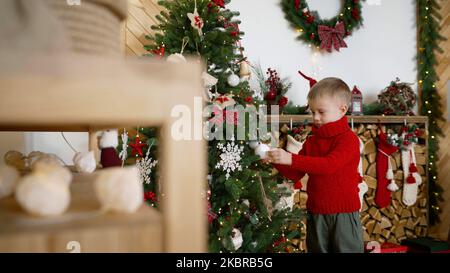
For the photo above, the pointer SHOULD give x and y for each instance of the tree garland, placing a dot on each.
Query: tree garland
(324, 34)
(428, 38)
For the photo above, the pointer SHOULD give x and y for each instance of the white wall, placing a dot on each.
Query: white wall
(381, 50)
(384, 48)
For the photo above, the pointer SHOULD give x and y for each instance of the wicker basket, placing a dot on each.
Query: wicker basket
(93, 27)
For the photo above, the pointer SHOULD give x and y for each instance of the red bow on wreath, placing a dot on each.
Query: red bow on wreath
(330, 36)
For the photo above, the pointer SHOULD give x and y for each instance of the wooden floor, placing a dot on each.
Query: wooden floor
(443, 70)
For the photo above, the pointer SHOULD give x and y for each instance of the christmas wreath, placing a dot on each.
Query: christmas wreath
(326, 34)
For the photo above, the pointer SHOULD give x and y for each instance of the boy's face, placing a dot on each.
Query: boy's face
(327, 109)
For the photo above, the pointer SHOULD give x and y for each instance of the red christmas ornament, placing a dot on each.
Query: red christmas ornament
(312, 36)
(355, 14)
(249, 99)
(150, 196)
(271, 95)
(298, 185)
(417, 132)
(283, 101)
(297, 4)
(309, 18)
(219, 3)
(159, 52)
(137, 146)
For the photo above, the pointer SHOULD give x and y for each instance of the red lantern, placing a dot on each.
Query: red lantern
(357, 104)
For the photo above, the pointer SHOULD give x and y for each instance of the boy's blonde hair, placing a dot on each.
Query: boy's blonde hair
(332, 87)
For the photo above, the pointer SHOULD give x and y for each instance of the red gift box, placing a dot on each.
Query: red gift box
(375, 247)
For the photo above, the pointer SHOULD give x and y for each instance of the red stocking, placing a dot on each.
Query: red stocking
(383, 194)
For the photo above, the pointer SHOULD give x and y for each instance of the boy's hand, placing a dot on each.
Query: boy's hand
(279, 156)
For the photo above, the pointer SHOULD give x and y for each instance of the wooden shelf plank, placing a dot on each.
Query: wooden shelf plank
(356, 119)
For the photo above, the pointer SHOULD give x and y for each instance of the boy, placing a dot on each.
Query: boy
(330, 157)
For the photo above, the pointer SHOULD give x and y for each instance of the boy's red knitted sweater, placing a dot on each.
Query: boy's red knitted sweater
(330, 157)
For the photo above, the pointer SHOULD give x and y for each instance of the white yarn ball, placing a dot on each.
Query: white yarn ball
(42, 195)
(262, 150)
(53, 169)
(85, 162)
(233, 80)
(8, 180)
(176, 58)
(119, 189)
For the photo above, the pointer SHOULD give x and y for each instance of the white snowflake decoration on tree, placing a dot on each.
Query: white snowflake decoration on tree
(230, 158)
(145, 166)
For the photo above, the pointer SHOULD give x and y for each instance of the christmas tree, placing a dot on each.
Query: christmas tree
(246, 208)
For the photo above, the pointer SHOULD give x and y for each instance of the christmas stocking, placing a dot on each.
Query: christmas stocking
(412, 179)
(362, 184)
(385, 176)
(293, 146)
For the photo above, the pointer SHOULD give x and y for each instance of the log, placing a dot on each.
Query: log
(371, 182)
(421, 159)
(297, 197)
(410, 224)
(405, 214)
(377, 229)
(421, 170)
(365, 164)
(365, 218)
(394, 165)
(370, 147)
(372, 157)
(420, 149)
(366, 236)
(375, 213)
(372, 170)
(398, 195)
(370, 226)
(399, 231)
(385, 223)
(361, 129)
(398, 175)
(373, 133)
(385, 233)
(370, 201)
(395, 204)
(397, 158)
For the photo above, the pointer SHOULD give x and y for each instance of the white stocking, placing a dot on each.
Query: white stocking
(363, 185)
(409, 190)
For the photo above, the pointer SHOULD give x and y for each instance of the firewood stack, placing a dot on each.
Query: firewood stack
(397, 221)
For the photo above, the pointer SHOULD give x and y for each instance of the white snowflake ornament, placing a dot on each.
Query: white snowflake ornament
(230, 158)
(145, 166)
